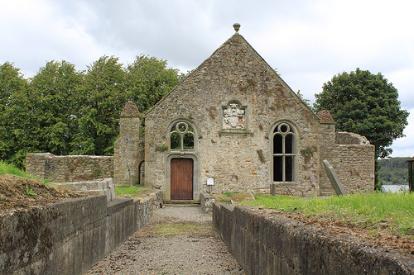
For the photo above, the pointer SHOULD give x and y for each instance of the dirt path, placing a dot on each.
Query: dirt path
(179, 240)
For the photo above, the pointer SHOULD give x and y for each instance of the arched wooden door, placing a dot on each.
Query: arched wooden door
(182, 179)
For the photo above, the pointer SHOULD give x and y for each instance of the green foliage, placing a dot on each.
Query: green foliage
(368, 211)
(366, 104)
(13, 100)
(161, 147)
(64, 111)
(149, 80)
(10, 169)
(29, 191)
(393, 171)
(104, 96)
(55, 94)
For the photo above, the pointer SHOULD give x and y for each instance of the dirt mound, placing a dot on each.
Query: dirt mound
(17, 193)
(403, 244)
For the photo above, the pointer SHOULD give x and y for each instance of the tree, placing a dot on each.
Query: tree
(149, 80)
(367, 104)
(104, 94)
(55, 94)
(13, 99)
(63, 111)
(11, 80)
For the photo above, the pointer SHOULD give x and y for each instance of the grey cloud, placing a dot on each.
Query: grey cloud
(307, 41)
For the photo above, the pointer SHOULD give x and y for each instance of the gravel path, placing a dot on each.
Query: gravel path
(179, 240)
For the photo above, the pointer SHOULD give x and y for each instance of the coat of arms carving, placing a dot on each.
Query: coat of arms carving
(234, 116)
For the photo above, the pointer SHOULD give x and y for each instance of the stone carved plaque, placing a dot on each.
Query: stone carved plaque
(234, 116)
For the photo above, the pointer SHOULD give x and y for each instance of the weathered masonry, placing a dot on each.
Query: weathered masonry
(234, 125)
(69, 236)
(268, 243)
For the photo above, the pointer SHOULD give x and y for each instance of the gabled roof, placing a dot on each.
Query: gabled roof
(234, 37)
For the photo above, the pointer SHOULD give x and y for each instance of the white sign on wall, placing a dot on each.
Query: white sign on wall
(210, 181)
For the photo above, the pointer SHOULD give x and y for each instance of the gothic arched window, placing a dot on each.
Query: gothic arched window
(181, 136)
(284, 153)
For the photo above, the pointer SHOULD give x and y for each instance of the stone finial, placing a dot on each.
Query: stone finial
(130, 110)
(325, 117)
(236, 27)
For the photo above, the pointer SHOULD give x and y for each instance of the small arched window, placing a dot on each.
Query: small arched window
(284, 153)
(181, 136)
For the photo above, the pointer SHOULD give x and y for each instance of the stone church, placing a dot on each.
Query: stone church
(233, 124)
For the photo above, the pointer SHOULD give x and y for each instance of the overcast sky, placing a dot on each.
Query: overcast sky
(306, 41)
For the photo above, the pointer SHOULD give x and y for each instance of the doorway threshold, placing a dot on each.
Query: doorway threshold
(187, 202)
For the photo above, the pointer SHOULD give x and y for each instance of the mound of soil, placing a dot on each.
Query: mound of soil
(18, 193)
(383, 239)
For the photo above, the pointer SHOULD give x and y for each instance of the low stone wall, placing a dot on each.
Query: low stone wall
(277, 245)
(69, 168)
(206, 202)
(92, 187)
(70, 236)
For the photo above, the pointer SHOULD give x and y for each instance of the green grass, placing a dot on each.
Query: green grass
(9, 169)
(372, 211)
(129, 190)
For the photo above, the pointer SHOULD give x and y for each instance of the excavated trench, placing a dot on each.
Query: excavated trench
(178, 240)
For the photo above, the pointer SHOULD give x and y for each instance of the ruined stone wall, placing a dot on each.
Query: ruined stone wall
(273, 244)
(355, 166)
(350, 138)
(69, 168)
(69, 237)
(237, 160)
(352, 157)
(127, 155)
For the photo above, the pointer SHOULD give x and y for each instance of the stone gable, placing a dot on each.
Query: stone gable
(234, 58)
(237, 160)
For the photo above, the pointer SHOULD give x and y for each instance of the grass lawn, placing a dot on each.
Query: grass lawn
(10, 169)
(129, 190)
(394, 212)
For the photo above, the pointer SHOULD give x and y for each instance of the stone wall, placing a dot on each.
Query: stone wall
(206, 202)
(69, 168)
(69, 237)
(264, 244)
(352, 157)
(350, 138)
(92, 187)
